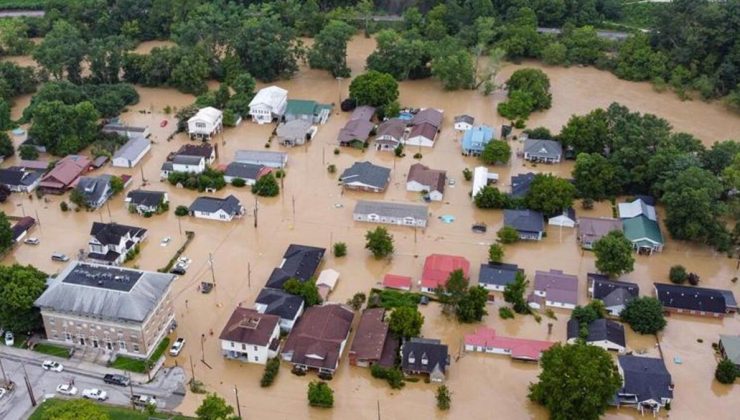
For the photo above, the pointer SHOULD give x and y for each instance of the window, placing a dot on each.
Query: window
(255, 348)
(200, 125)
(122, 345)
(244, 346)
(136, 348)
(256, 359)
(232, 344)
(67, 336)
(51, 321)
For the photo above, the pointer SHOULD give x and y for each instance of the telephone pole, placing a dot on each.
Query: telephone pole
(213, 274)
(131, 391)
(238, 407)
(249, 275)
(255, 212)
(28, 385)
(2, 368)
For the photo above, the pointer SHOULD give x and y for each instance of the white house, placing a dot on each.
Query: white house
(481, 178)
(604, 333)
(143, 201)
(110, 242)
(212, 208)
(566, 219)
(268, 104)
(464, 122)
(131, 153)
(205, 123)
(250, 336)
(282, 304)
(262, 157)
(180, 163)
(423, 179)
(391, 213)
(554, 289)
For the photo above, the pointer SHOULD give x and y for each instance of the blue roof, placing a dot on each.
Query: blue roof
(477, 137)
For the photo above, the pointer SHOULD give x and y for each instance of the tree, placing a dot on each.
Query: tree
(62, 50)
(214, 407)
(514, 293)
(266, 186)
(495, 253)
(190, 73)
(586, 133)
(267, 48)
(585, 315)
(20, 286)
(78, 199)
(471, 307)
(614, 254)
(518, 106)
(181, 211)
(644, 314)
(329, 51)
(549, 194)
(507, 235)
(593, 380)
(595, 177)
(555, 54)
(444, 397)
(357, 301)
(305, 289)
(340, 249)
(406, 322)
(678, 274)
(320, 395)
(496, 152)
(489, 197)
(272, 367)
(399, 56)
(6, 145)
(76, 409)
(379, 242)
(14, 37)
(453, 65)
(64, 129)
(116, 184)
(28, 152)
(533, 82)
(726, 372)
(5, 120)
(374, 89)
(582, 44)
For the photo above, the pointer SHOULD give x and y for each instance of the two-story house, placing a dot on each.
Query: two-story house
(250, 336)
(110, 243)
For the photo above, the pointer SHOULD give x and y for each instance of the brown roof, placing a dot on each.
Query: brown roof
(593, 228)
(319, 333)
(393, 128)
(432, 178)
(203, 149)
(65, 172)
(370, 336)
(425, 130)
(363, 113)
(430, 116)
(355, 130)
(250, 327)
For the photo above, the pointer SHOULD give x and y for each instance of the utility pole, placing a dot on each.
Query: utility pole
(255, 212)
(131, 391)
(192, 370)
(179, 225)
(202, 348)
(249, 275)
(107, 205)
(143, 180)
(28, 385)
(213, 274)
(2, 368)
(293, 198)
(238, 407)
(38, 219)
(378, 409)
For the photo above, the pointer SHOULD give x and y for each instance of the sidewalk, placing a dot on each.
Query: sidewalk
(79, 367)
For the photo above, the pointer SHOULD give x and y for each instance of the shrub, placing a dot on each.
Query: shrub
(678, 274)
(320, 395)
(271, 370)
(726, 372)
(418, 155)
(357, 301)
(340, 249)
(336, 151)
(505, 313)
(266, 186)
(507, 235)
(693, 279)
(64, 206)
(645, 315)
(394, 376)
(495, 253)
(331, 168)
(398, 151)
(550, 314)
(444, 397)
(467, 174)
(238, 182)
(181, 211)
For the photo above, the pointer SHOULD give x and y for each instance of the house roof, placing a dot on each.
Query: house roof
(261, 156)
(464, 119)
(243, 170)
(394, 128)
(438, 267)
(599, 330)
(93, 188)
(645, 377)
(543, 148)
(428, 116)
(357, 129)
(294, 128)
(425, 130)
(396, 281)
(204, 150)
(392, 209)
(520, 184)
(498, 274)
(329, 278)
(592, 229)
(432, 350)
(729, 299)
(299, 262)
(249, 327)
(366, 173)
(17, 176)
(317, 337)
(301, 107)
(558, 287)
(21, 226)
(477, 137)
(66, 171)
(371, 334)
(636, 208)
(126, 130)
(229, 204)
(188, 160)
(691, 298)
(520, 348)
(112, 233)
(363, 113)
(145, 198)
(101, 291)
(133, 148)
(568, 214)
(731, 346)
(208, 113)
(612, 292)
(524, 220)
(271, 96)
(33, 164)
(640, 229)
(279, 302)
(434, 179)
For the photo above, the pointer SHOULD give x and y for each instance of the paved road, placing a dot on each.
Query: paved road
(167, 386)
(19, 13)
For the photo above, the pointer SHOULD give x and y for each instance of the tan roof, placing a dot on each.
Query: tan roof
(430, 116)
(593, 228)
(250, 327)
(432, 178)
(371, 335)
(317, 337)
(425, 130)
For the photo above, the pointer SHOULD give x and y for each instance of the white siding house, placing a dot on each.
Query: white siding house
(207, 122)
(268, 104)
(390, 213)
(250, 336)
(131, 153)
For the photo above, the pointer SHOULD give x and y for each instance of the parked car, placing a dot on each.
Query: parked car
(58, 256)
(143, 400)
(32, 241)
(67, 389)
(206, 287)
(51, 365)
(165, 241)
(9, 338)
(115, 379)
(95, 394)
(3, 391)
(177, 347)
(178, 270)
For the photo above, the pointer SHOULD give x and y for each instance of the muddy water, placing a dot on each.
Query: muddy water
(483, 386)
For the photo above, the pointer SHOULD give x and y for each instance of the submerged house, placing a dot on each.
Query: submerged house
(485, 340)
(390, 134)
(692, 300)
(213, 208)
(206, 123)
(65, 174)
(282, 304)
(250, 336)
(423, 179)
(299, 262)
(365, 176)
(604, 333)
(529, 223)
(615, 294)
(373, 344)
(268, 104)
(476, 139)
(424, 127)
(647, 384)
(437, 270)
(544, 151)
(295, 132)
(307, 110)
(641, 227)
(19, 179)
(425, 356)
(142, 201)
(131, 153)
(110, 243)
(554, 289)
(357, 130)
(96, 190)
(496, 276)
(591, 229)
(391, 213)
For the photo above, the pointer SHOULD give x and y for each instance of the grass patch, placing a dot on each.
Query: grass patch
(141, 365)
(115, 413)
(390, 299)
(19, 340)
(52, 350)
(22, 4)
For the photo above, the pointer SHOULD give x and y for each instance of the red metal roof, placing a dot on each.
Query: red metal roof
(520, 348)
(438, 267)
(395, 281)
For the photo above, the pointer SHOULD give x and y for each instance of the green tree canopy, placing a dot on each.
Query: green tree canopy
(453, 65)
(6, 145)
(267, 49)
(214, 407)
(266, 186)
(320, 395)
(595, 177)
(329, 51)
(496, 152)
(374, 89)
(495, 253)
(534, 82)
(399, 56)
(406, 321)
(726, 372)
(644, 314)
(305, 289)
(549, 194)
(20, 286)
(507, 235)
(514, 293)
(76, 409)
(586, 368)
(62, 50)
(379, 242)
(64, 129)
(586, 133)
(489, 197)
(614, 255)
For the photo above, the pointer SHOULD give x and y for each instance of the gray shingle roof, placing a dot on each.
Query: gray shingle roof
(612, 292)
(260, 157)
(93, 187)
(243, 170)
(646, 377)
(299, 261)
(524, 220)
(391, 209)
(187, 160)
(367, 173)
(497, 274)
(111, 233)
(433, 350)
(108, 292)
(145, 198)
(230, 205)
(543, 148)
(279, 303)
(520, 184)
(691, 298)
(132, 149)
(601, 329)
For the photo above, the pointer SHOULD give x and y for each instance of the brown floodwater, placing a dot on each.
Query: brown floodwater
(483, 386)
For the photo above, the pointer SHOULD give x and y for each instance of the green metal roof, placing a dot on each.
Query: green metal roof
(731, 344)
(638, 229)
(301, 107)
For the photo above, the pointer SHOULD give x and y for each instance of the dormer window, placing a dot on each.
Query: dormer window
(412, 359)
(424, 359)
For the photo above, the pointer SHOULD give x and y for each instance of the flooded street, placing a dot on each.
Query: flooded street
(307, 212)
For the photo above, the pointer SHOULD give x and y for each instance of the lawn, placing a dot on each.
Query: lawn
(21, 4)
(115, 413)
(140, 365)
(52, 349)
(390, 299)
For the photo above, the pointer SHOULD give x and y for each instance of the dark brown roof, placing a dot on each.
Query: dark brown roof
(433, 178)
(250, 327)
(203, 149)
(370, 336)
(393, 128)
(430, 116)
(425, 129)
(319, 333)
